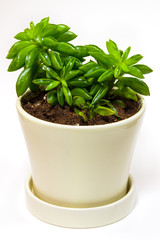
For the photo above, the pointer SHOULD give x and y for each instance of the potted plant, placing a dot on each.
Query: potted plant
(80, 120)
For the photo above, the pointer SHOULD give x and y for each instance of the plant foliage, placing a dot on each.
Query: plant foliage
(51, 63)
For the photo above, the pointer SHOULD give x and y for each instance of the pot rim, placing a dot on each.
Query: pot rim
(127, 121)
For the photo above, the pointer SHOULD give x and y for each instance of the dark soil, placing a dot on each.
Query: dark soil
(38, 107)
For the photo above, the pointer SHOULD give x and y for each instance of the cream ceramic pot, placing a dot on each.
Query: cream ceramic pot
(80, 166)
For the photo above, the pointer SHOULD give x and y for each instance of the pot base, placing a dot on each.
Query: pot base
(80, 217)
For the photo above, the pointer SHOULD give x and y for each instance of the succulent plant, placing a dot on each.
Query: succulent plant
(50, 63)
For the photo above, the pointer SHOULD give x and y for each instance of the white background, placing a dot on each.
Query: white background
(129, 23)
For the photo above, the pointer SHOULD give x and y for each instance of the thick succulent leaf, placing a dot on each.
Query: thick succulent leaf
(136, 84)
(45, 58)
(88, 66)
(71, 74)
(31, 57)
(68, 95)
(107, 75)
(95, 88)
(17, 47)
(56, 60)
(60, 96)
(52, 98)
(126, 93)
(104, 111)
(82, 92)
(78, 101)
(70, 65)
(82, 52)
(95, 72)
(113, 49)
(51, 72)
(41, 26)
(66, 48)
(22, 36)
(93, 48)
(42, 81)
(135, 72)
(108, 60)
(52, 85)
(23, 81)
(117, 71)
(100, 94)
(143, 68)
(50, 42)
(134, 59)
(81, 82)
(126, 53)
(124, 67)
(66, 37)
(49, 30)
(61, 28)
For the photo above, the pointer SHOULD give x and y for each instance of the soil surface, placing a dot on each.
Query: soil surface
(38, 107)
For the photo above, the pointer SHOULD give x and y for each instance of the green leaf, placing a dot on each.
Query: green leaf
(82, 52)
(40, 26)
(126, 93)
(88, 66)
(38, 40)
(81, 114)
(120, 103)
(51, 72)
(50, 42)
(79, 82)
(66, 37)
(124, 67)
(13, 65)
(71, 74)
(68, 95)
(126, 53)
(78, 101)
(32, 26)
(107, 75)
(42, 81)
(45, 20)
(143, 68)
(45, 59)
(82, 92)
(52, 85)
(113, 49)
(60, 96)
(93, 48)
(136, 84)
(29, 33)
(100, 94)
(135, 72)
(95, 72)
(31, 57)
(19, 60)
(22, 55)
(49, 30)
(17, 47)
(52, 97)
(23, 81)
(134, 59)
(56, 60)
(66, 48)
(22, 36)
(117, 71)
(70, 65)
(108, 60)
(104, 111)
(95, 88)
(61, 28)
